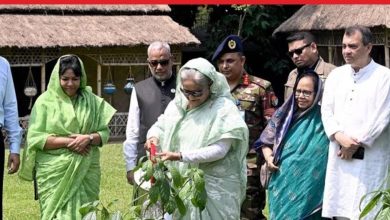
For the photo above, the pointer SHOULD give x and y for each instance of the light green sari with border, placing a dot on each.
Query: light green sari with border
(179, 129)
(66, 180)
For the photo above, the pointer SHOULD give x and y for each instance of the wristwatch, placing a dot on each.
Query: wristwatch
(90, 138)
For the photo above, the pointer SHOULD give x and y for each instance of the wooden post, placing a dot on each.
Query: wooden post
(43, 78)
(177, 68)
(330, 54)
(387, 59)
(387, 47)
(99, 80)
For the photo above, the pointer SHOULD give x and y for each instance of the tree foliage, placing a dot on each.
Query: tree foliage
(254, 23)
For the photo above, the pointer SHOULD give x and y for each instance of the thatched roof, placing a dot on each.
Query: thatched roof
(29, 31)
(336, 17)
(74, 9)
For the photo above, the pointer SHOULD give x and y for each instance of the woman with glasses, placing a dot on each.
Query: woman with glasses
(294, 145)
(202, 127)
(68, 124)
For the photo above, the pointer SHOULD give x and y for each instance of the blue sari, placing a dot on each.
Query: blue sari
(300, 148)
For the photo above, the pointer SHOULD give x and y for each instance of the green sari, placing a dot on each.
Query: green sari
(66, 180)
(296, 190)
(217, 118)
(300, 149)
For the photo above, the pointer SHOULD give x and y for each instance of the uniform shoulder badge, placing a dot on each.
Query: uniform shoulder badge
(261, 82)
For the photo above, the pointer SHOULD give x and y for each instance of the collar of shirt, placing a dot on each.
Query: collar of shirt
(163, 83)
(362, 72)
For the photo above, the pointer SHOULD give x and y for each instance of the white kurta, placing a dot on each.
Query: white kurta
(358, 104)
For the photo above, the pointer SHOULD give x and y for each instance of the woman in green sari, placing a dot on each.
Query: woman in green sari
(203, 128)
(295, 148)
(67, 125)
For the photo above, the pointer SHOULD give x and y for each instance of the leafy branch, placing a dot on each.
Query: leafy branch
(379, 198)
(170, 191)
(171, 188)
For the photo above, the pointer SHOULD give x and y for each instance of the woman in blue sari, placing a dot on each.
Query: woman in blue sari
(294, 146)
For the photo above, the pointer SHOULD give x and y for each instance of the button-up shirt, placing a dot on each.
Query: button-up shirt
(9, 107)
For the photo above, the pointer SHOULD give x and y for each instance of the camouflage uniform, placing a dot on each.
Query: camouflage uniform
(256, 101)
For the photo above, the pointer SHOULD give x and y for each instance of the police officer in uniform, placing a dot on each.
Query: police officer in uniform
(256, 101)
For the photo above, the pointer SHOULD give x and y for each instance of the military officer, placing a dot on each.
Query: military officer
(256, 101)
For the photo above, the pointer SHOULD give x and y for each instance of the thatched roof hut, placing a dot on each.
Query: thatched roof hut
(49, 26)
(50, 31)
(105, 8)
(110, 39)
(329, 21)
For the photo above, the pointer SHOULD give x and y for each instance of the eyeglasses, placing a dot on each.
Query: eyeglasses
(188, 93)
(154, 63)
(297, 51)
(305, 93)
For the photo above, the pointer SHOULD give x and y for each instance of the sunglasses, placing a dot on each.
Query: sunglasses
(188, 93)
(305, 93)
(297, 51)
(154, 63)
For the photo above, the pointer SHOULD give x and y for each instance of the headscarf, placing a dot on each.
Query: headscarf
(282, 119)
(217, 118)
(54, 114)
(219, 88)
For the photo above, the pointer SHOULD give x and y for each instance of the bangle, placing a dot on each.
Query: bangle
(90, 136)
(180, 156)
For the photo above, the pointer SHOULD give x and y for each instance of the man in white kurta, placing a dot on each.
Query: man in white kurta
(355, 112)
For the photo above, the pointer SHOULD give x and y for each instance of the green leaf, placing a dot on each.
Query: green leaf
(86, 208)
(189, 172)
(165, 191)
(170, 206)
(89, 207)
(199, 199)
(147, 167)
(142, 160)
(159, 175)
(386, 198)
(90, 216)
(112, 203)
(176, 177)
(370, 205)
(186, 190)
(199, 181)
(154, 193)
(96, 203)
(135, 211)
(180, 205)
(105, 215)
(139, 164)
(384, 214)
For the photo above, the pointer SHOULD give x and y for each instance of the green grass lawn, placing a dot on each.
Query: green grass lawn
(18, 195)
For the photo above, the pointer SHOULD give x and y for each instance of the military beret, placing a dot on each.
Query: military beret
(230, 44)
